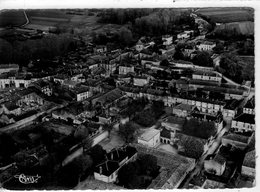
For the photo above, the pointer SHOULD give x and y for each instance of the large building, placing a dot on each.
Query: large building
(243, 123)
(150, 138)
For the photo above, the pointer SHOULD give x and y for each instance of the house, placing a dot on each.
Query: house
(185, 35)
(82, 93)
(107, 171)
(231, 108)
(182, 110)
(249, 164)
(30, 96)
(166, 136)
(60, 78)
(217, 118)
(208, 76)
(4, 68)
(206, 46)
(7, 119)
(109, 98)
(243, 123)
(181, 64)
(70, 84)
(141, 81)
(167, 40)
(249, 107)
(215, 165)
(125, 69)
(150, 138)
(10, 108)
(188, 50)
(100, 49)
(236, 140)
(44, 86)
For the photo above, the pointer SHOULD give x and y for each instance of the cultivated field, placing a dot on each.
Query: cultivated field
(12, 18)
(227, 15)
(244, 28)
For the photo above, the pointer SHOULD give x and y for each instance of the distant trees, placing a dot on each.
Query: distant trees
(21, 52)
(235, 68)
(203, 59)
(81, 132)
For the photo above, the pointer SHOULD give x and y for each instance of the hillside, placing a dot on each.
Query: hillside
(243, 28)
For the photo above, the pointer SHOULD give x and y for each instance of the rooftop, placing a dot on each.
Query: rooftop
(236, 137)
(183, 107)
(246, 118)
(148, 135)
(250, 103)
(165, 133)
(232, 104)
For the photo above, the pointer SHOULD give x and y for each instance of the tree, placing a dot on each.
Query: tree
(178, 55)
(165, 63)
(125, 36)
(219, 48)
(131, 170)
(148, 164)
(81, 132)
(82, 163)
(203, 59)
(127, 131)
(8, 146)
(97, 153)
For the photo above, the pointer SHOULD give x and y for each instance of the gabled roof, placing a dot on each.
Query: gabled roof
(250, 103)
(246, 118)
(232, 104)
(236, 137)
(165, 133)
(184, 107)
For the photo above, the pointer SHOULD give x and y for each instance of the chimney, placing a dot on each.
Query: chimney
(100, 170)
(107, 166)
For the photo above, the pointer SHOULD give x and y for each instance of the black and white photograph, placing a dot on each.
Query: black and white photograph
(121, 97)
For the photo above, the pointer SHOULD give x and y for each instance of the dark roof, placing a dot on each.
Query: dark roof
(11, 106)
(250, 103)
(118, 154)
(107, 168)
(165, 133)
(246, 118)
(232, 104)
(202, 116)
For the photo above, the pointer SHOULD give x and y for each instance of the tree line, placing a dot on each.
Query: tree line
(21, 52)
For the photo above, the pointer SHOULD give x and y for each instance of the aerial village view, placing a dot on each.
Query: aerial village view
(148, 98)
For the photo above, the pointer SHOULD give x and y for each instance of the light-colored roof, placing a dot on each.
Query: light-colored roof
(148, 135)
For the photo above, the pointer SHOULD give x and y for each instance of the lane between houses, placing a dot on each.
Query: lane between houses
(212, 148)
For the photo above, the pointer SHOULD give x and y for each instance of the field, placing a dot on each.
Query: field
(228, 15)
(12, 18)
(244, 27)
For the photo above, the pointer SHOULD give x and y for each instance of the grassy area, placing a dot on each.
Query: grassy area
(12, 18)
(228, 14)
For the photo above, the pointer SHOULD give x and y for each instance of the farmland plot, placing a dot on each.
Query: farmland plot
(227, 15)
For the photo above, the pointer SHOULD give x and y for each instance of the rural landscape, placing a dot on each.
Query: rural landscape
(147, 98)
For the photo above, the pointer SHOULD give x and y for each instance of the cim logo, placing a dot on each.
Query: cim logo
(27, 179)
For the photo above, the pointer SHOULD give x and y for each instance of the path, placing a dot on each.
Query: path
(27, 20)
